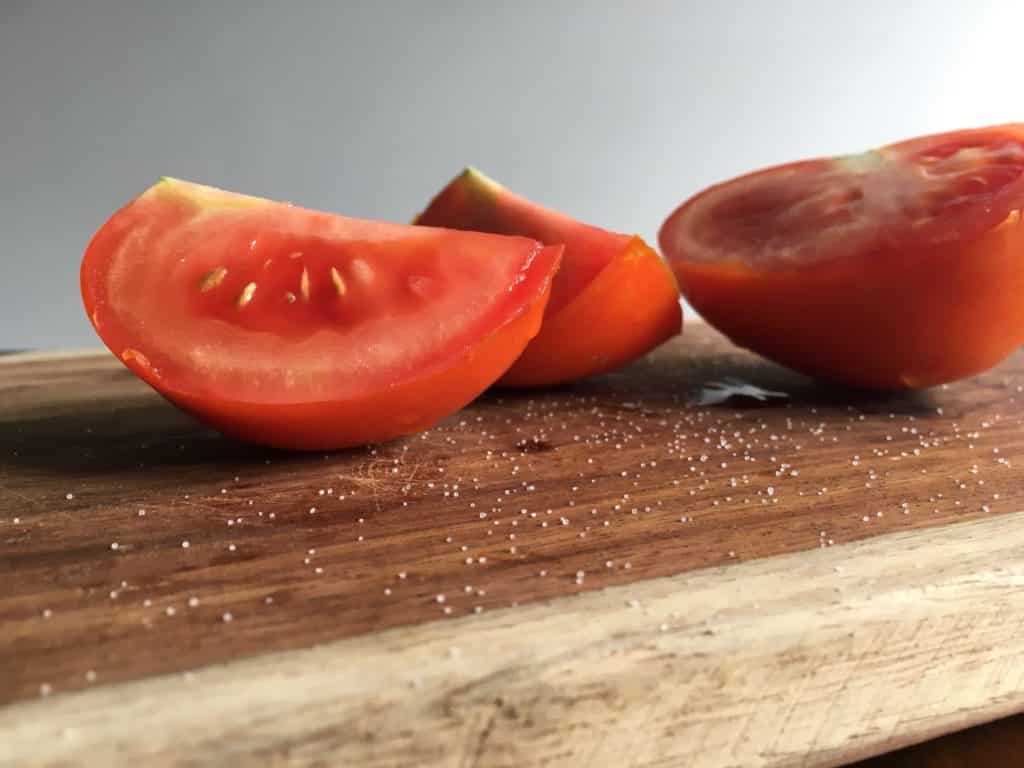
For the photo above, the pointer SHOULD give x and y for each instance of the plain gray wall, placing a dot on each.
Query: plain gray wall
(611, 111)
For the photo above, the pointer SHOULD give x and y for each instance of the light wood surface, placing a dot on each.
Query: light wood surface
(618, 462)
(803, 659)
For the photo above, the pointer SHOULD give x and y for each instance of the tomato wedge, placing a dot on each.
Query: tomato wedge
(298, 329)
(898, 268)
(613, 300)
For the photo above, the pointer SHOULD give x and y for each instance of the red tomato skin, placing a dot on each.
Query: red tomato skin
(890, 321)
(637, 300)
(904, 312)
(403, 407)
(614, 298)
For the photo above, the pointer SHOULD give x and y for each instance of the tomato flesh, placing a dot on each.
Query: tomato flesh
(892, 269)
(218, 299)
(594, 322)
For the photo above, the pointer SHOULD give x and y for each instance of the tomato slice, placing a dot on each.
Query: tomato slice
(613, 300)
(301, 329)
(896, 268)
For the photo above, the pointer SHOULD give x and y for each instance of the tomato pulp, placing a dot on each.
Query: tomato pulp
(898, 268)
(299, 329)
(613, 299)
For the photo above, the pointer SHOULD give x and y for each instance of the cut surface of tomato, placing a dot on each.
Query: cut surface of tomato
(594, 322)
(300, 329)
(900, 267)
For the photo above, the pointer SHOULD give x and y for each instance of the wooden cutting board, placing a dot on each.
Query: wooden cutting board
(623, 572)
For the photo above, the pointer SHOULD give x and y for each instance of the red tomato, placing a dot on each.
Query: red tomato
(897, 268)
(299, 329)
(613, 300)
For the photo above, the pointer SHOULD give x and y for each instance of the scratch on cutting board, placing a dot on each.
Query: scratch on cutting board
(485, 733)
(383, 482)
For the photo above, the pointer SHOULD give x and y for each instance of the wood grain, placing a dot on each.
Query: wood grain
(86, 427)
(782, 661)
(606, 471)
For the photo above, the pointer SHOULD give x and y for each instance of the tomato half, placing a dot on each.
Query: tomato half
(613, 300)
(901, 267)
(299, 329)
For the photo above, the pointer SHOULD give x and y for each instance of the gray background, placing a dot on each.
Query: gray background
(612, 111)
